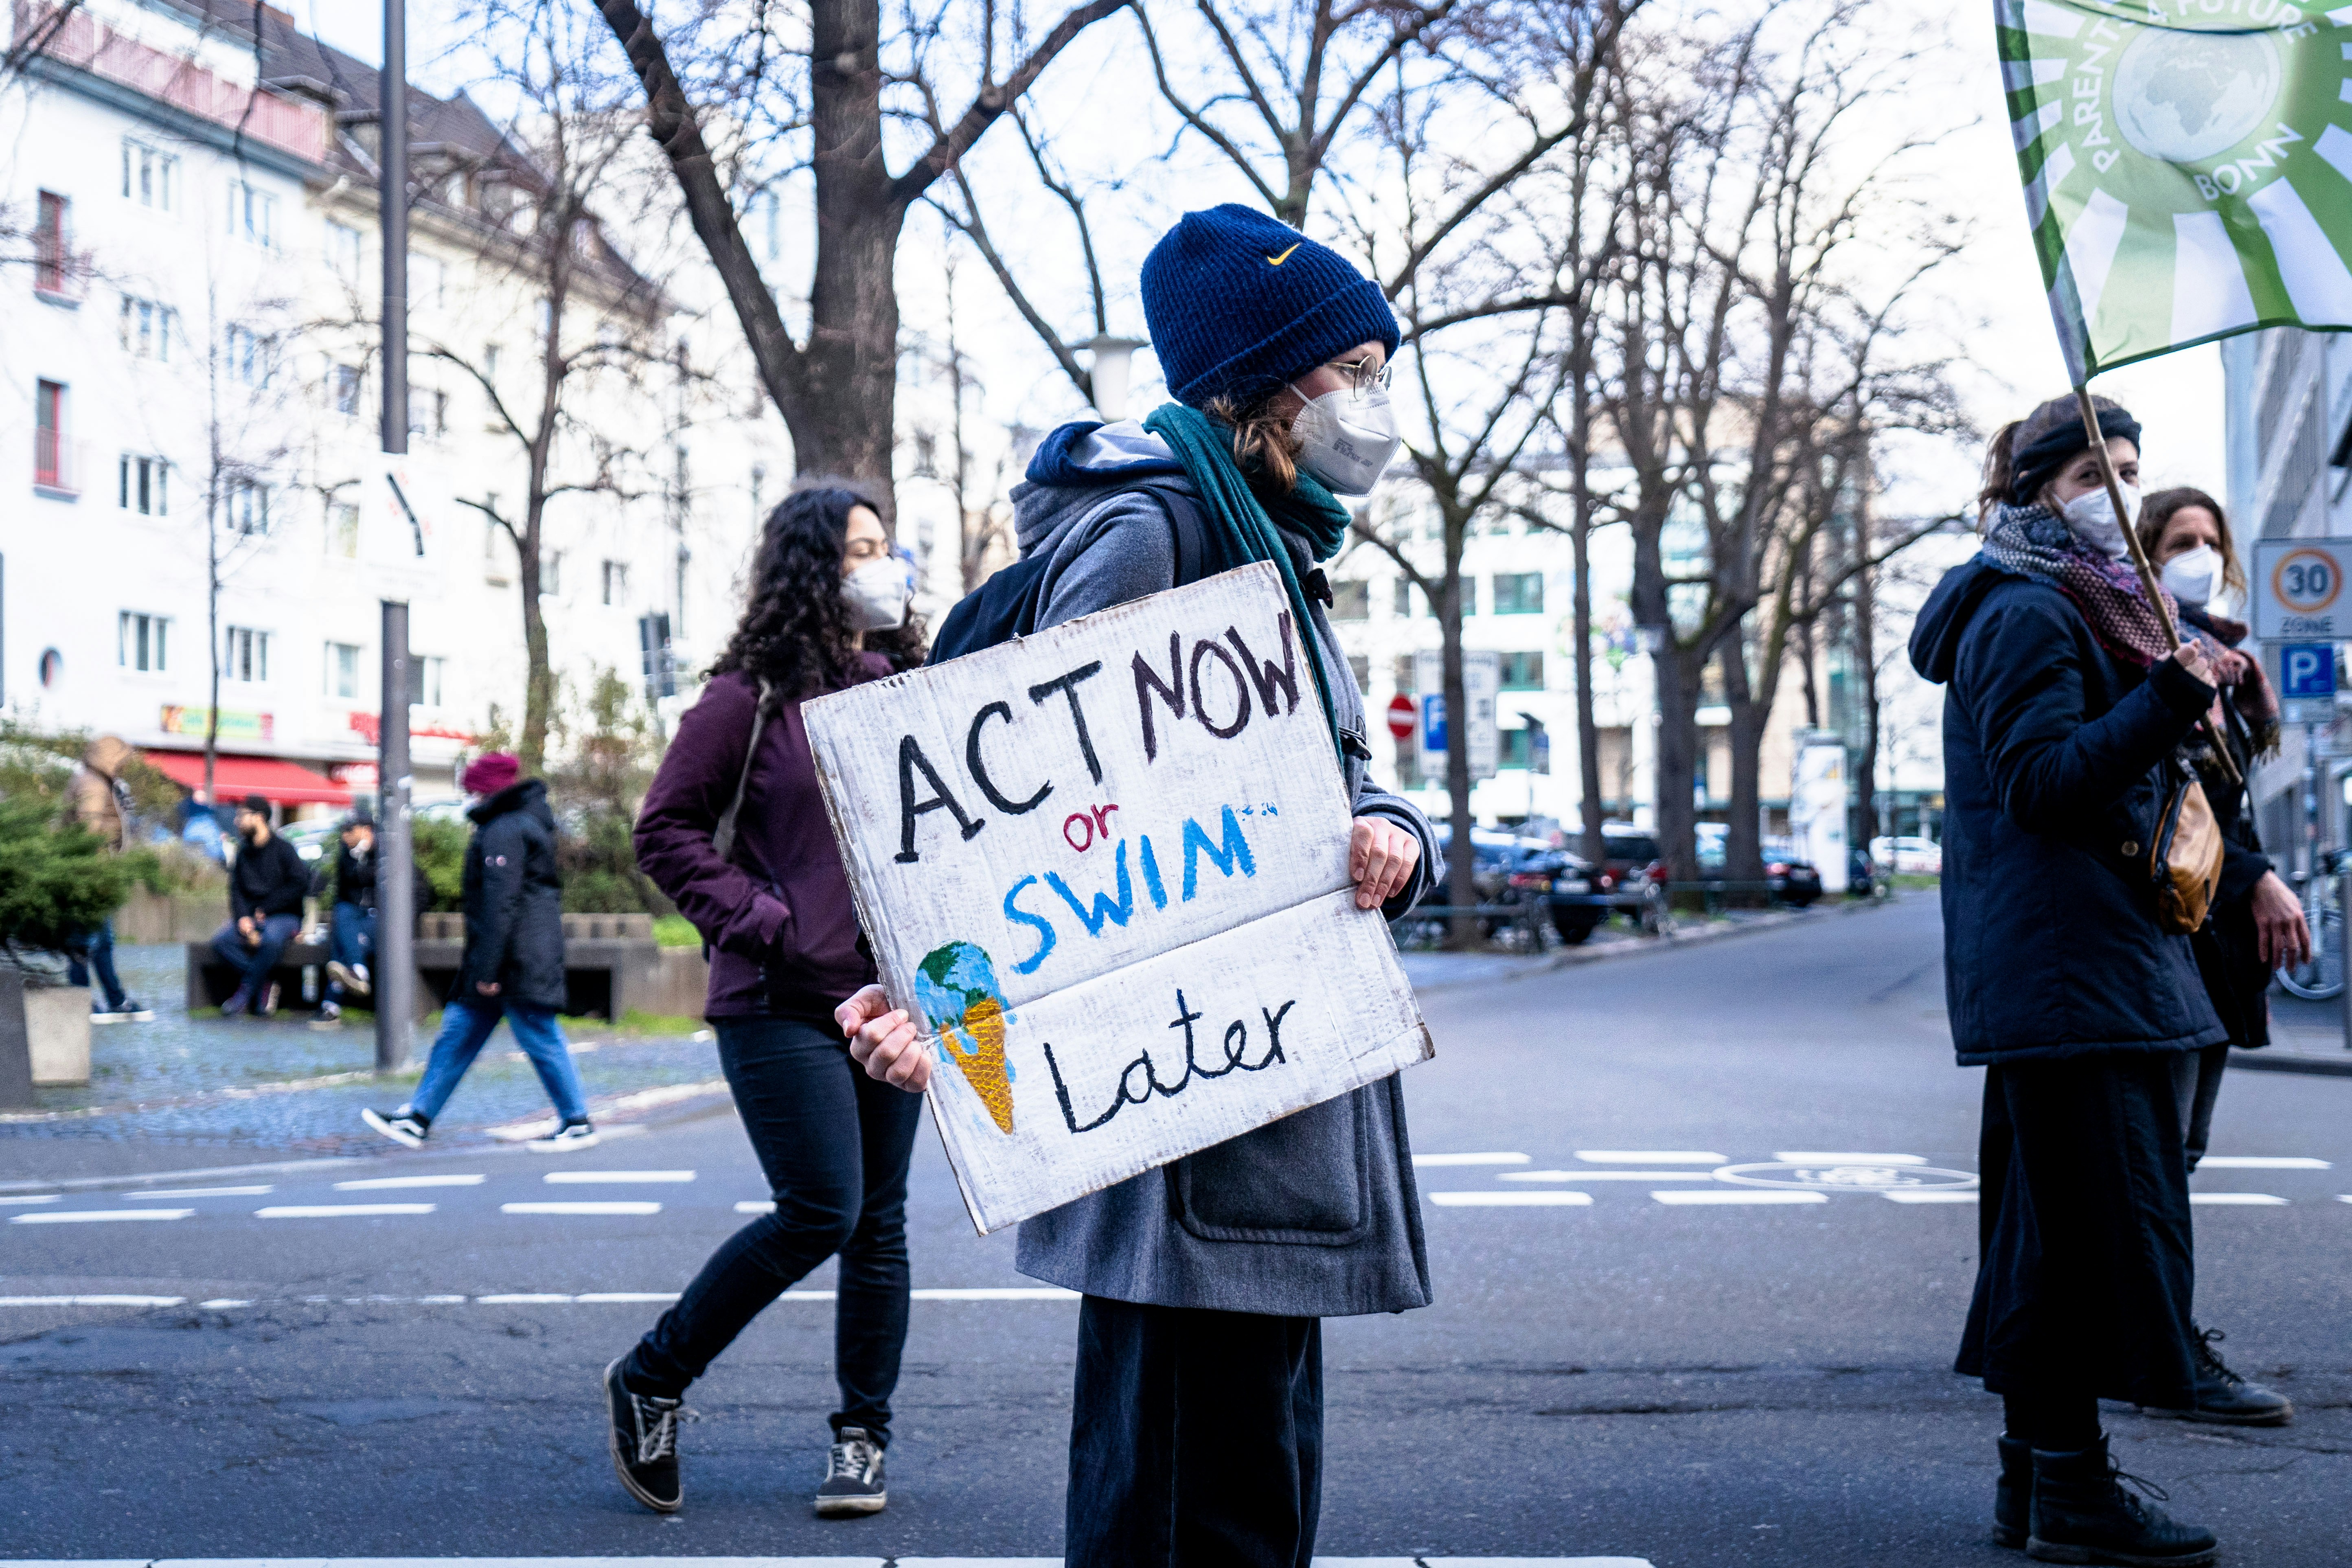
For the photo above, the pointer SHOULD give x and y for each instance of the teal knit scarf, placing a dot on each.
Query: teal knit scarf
(1205, 448)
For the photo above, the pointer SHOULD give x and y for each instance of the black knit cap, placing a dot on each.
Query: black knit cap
(2038, 462)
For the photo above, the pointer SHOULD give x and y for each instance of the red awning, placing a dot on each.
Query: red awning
(234, 778)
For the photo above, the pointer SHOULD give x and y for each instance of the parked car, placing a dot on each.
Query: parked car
(1909, 857)
(1792, 879)
(1630, 861)
(1513, 869)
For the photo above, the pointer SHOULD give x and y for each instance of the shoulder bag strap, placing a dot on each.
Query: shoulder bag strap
(722, 838)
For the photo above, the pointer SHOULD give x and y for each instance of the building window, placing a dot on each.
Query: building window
(1518, 593)
(245, 655)
(140, 640)
(51, 469)
(343, 669)
(616, 581)
(249, 356)
(146, 328)
(343, 251)
(1401, 606)
(150, 177)
(1523, 670)
(550, 574)
(252, 215)
(1517, 750)
(1352, 601)
(428, 412)
(143, 486)
(429, 671)
(343, 530)
(50, 255)
(343, 382)
(248, 506)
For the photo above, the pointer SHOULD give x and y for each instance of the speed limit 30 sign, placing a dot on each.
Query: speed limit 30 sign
(2299, 589)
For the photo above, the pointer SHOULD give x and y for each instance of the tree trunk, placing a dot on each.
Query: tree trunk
(1743, 847)
(1461, 861)
(1678, 677)
(1591, 807)
(538, 681)
(1865, 659)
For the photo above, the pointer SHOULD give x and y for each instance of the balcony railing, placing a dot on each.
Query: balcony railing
(55, 468)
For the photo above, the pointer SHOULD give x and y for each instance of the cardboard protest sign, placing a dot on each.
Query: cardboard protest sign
(1107, 865)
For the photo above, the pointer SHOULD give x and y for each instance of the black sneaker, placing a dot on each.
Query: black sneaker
(563, 1139)
(645, 1443)
(853, 1475)
(402, 1126)
(124, 1011)
(331, 1012)
(2225, 1399)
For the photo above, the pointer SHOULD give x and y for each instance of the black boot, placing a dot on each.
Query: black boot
(2225, 1399)
(2083, 1514)
(2012, 1495)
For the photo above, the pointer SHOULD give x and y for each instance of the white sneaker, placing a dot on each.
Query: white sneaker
(563, 1139)
(351, 977)
(402, 1126)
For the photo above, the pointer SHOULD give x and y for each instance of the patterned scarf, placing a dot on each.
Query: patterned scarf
(2034, 541)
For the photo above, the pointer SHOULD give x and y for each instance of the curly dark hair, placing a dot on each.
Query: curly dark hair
(795, 631)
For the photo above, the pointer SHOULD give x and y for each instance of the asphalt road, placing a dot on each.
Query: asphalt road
(1688, 1382)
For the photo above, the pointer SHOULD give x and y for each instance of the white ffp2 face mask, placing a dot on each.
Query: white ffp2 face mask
(2194, 575)
(1347, 438)
(2092, 517)
(877, 595)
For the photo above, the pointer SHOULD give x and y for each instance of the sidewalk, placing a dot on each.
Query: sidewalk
(182, 1092)
(2306, 1038)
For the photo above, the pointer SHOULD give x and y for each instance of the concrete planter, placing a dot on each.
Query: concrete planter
(57, 1025)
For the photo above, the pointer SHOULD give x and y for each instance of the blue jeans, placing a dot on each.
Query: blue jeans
(465, 1025)
(254, 963)
(834, 1144)
(94, 949)
(351, 941)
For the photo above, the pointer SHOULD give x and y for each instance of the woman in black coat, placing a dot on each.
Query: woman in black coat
(2065, 713)
(513, 963)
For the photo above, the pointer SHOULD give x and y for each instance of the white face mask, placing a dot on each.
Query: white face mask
(2093, 518)
(877, 595)
(1346, 438)
(2194, 575)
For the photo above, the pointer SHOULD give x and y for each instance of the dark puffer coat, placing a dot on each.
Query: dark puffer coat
(514, 902)
(2054, 768)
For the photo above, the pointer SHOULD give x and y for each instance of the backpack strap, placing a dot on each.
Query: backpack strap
(722, 838)
(1187, 522)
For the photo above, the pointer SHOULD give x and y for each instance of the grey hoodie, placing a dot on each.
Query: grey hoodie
(1313, 1215)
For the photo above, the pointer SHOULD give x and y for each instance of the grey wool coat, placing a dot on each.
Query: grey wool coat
(1313, 1215)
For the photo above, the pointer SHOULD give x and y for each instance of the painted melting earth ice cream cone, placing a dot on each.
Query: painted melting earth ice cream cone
(956, 988)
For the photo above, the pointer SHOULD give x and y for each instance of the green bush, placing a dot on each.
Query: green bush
(56, 880)
(440, 849)
(595, 794)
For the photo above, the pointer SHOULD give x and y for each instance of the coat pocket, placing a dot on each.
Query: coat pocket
(1302, 1180)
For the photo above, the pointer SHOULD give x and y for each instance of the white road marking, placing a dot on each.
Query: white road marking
(338, 1211)
(1653, 1157)
(204, 1193)
(623, 1208)
(1470, 1159)
(43, 1198)
(91, 1301)
(584, 1178)
(1607, 1176)
(627, 1297)
(1815, 1157)
(2263, 1163)
(756, 1205)
(219, 1302)
(1724, 1195)
(1511, 1200)
(1928, 1196)
(2236, 1200)
(96, 1216)
(520, 1299)
(387, 1183)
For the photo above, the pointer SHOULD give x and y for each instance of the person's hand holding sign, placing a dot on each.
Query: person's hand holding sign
(882, 1040)
(1381, 859)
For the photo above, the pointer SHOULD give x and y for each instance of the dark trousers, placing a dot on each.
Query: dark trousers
(93, 951)
(254, 963)
(834, 1145)
(1196, 1437)
(2197, 1084)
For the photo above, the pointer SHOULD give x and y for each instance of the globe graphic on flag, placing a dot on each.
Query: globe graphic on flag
(2187, 97)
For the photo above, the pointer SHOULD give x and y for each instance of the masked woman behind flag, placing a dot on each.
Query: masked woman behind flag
(2066, 710)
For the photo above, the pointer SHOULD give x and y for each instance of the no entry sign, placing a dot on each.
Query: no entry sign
(1107, 865)
(1401, 716)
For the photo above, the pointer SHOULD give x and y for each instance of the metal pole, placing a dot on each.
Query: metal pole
(395, 901)
(391, 206)
(2344, 935)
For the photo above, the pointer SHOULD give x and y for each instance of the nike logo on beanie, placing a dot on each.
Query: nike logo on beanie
(1278, 260)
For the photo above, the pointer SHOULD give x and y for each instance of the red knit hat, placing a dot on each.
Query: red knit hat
(490, 773)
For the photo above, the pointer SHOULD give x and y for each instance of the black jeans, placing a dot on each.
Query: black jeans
(834, 1145)
(1196, 1437)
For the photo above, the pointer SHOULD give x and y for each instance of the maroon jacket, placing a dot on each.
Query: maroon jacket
(783, 931)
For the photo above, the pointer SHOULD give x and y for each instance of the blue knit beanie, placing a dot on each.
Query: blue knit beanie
(1239, 303)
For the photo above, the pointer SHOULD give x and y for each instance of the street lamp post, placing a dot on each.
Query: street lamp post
(395, 971)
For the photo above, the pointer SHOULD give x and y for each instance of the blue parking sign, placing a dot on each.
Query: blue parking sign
(2307, 669)
(1433, 722)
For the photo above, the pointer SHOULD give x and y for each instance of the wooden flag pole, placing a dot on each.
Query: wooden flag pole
(2147, 576)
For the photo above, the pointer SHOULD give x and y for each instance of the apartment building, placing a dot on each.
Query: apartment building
(189, 392)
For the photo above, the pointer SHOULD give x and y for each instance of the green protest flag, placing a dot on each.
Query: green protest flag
(2187, 168)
